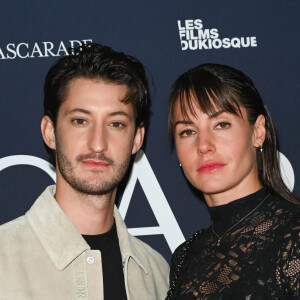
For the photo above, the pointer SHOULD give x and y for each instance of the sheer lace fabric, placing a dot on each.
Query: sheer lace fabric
(258, 259)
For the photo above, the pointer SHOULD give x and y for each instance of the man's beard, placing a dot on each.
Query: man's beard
(96, 186)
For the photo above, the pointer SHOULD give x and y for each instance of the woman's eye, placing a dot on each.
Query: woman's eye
(186, 132)
(79, 121)
(223, 125)
(117, 124)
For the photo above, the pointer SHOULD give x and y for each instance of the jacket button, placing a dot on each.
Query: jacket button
(90, 260)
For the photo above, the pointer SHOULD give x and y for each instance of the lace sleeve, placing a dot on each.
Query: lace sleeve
(175, 260)
(288, 267)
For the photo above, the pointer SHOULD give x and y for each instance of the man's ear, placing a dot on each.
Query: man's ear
(259, 133)
(48, 132)
(138, 139)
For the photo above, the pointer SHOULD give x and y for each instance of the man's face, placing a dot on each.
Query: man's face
(95, 136)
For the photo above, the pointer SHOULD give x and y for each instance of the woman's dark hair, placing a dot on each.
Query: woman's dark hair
(97, 62)
(215, 86)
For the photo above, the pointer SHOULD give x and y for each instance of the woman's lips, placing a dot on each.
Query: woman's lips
(210, 167)
(95, 163)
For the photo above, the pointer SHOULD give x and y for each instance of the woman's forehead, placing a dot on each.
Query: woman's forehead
(185, 108)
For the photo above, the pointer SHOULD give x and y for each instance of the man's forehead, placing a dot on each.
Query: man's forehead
(87, 96)
(89, 86)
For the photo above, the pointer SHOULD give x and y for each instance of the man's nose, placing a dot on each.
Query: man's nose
(98, 139)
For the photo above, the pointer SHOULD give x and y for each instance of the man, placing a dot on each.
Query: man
(72, 243)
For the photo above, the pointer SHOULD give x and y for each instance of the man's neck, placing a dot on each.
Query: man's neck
(91, 214)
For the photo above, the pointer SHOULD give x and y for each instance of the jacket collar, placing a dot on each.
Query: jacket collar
(60, 237)
(126, 241)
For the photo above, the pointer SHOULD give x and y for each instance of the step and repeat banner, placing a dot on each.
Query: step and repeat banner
(260, 38)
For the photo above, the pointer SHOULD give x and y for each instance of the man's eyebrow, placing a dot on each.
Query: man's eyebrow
(76, 110)
(82, 110)
(122, 113)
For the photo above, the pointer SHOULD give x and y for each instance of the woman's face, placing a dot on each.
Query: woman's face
(218, 152)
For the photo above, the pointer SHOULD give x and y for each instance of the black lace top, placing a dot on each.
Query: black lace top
(259, 258)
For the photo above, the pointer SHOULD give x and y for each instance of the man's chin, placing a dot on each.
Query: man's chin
(96, 189)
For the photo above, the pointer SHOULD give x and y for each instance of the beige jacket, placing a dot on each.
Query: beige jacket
(43, 256)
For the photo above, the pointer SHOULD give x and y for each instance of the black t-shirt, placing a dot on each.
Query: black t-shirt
(112, 269)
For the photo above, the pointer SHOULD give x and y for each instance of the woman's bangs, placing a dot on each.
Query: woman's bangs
(209, 100)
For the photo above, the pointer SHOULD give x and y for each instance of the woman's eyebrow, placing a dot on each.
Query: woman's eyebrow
(186, 122)
(216, 114)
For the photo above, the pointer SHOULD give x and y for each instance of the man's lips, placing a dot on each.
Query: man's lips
(210, 167)
(95, 163)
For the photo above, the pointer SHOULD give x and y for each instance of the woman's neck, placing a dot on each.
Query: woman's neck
(225, 197)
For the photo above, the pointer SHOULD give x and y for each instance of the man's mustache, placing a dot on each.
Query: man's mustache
(94, 156)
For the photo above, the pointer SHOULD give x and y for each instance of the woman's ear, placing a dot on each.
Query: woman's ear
(259, 132)
(48, 132)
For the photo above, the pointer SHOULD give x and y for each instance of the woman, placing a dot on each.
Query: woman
(226, 144)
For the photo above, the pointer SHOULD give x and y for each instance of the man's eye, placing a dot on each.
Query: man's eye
(223, 125)
(186, 132)
(79, 121)
(117, 124)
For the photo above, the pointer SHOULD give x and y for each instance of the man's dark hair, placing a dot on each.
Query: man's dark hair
(94, 61)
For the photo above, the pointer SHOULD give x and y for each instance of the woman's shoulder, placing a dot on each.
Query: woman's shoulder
(286, 211)
(182, 250)
(288, 260)
(286, 219)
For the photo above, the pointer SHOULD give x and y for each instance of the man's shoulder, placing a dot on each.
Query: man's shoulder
(133, 245)
(153, 264)
(148, 252)
(19, 229)
(15, 235)
(14, 227)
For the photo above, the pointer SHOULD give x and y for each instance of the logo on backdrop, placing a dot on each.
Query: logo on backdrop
(143, 173)
(38, 49)
(194, 36)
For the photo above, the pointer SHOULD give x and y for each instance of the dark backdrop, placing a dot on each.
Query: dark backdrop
(261, 38)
